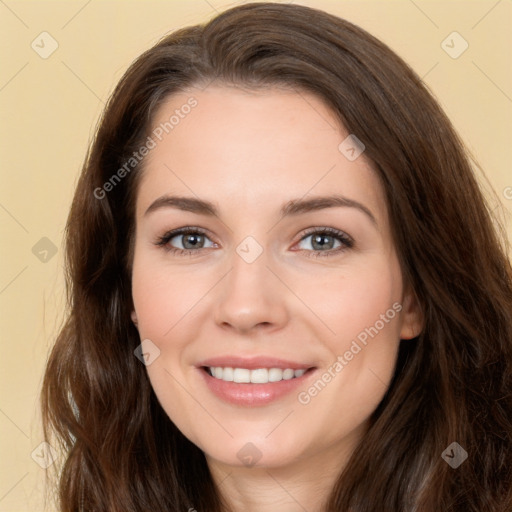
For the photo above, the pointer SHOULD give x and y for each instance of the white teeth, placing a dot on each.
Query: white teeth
(275, 374)
(241, 375)
(288, 374)
(257, 376)
(228, 374)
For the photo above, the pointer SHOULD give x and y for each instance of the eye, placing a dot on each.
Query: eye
(317, 241)
(185, 240)
(326, 241)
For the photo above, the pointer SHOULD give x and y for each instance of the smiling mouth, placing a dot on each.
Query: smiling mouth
(253, 376)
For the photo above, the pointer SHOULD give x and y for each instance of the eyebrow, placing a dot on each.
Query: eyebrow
(291, 208)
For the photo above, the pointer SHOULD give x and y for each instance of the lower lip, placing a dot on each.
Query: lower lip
(253, 395)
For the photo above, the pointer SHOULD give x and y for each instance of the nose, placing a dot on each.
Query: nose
(251, 298)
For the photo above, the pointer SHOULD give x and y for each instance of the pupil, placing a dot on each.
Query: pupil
(192, 241)
(322, 242)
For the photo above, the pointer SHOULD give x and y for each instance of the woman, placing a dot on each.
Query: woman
(286, 291)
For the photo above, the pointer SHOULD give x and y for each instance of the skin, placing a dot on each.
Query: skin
(250, 152)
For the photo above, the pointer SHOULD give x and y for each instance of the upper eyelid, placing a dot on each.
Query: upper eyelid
(169, 235)
(324, 229)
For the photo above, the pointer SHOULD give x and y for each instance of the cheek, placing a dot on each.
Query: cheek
(352, 304)
(164, 297)
(367, 339)
(362, 312)
(164, 300)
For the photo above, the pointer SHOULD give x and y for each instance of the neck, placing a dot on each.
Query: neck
(301, 486)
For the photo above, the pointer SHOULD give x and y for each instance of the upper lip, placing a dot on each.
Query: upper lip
(253, 363)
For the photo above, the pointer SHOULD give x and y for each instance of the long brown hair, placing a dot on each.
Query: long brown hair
(453, 383)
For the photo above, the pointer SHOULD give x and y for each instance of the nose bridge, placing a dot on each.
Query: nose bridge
(249, 263)
(250, 294)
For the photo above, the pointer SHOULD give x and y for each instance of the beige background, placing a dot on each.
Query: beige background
(49, 109)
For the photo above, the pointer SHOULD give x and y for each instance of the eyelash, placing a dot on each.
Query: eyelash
(347, 242)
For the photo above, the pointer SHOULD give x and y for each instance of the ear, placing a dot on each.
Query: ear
(134, 317)
(412, 316)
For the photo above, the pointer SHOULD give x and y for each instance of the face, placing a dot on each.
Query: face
(263, 255)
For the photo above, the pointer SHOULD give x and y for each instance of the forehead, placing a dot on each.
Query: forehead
(252, 149)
